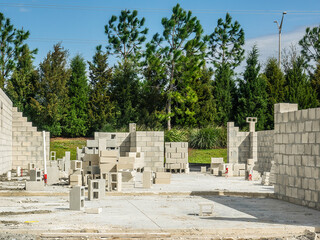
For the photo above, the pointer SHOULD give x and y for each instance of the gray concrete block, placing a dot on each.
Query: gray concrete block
(76, 198)
(34, 185)
(96, 189)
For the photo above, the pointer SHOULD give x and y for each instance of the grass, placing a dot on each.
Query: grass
(205, 155)
(62, 145)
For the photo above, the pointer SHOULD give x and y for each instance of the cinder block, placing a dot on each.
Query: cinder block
(146, 180)
(34, 185)
(126, 160)
(108, 160)
(76, 198)
(203, 169)
(163, 175)
(108, 167)
(52, 175)
(96, 189)
(162, 180)
(109, 153)
(93, 210)
(217, 160)
(35, 175)
(125, 166)
(76, 165)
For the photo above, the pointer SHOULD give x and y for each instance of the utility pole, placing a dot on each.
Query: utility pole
(280, 28)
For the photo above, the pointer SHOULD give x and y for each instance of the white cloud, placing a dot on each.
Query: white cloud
(268, 45)
(22, 9)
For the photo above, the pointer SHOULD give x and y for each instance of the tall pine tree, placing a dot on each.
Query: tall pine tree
(275, 88)
(298, 88)
(181, 50)
(126, 35)
(11, 46)
(24, 81)
(49, 106)
(100, 107)
(225, 53)
(253, 98)
(77, 116)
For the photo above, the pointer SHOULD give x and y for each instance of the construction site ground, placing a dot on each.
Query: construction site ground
(242, 209)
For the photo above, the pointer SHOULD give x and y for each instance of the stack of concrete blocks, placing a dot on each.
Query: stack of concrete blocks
(162, 178)
(27, 142)
(53, 175)
(35, 183)
(147, 179)
(138, 160)
(35, 175)
(128, 178)
(64, 163)
(96, 188)
(5, 133)
(297, 154)
(120, 140)
(108, 160)
(150, 144)
(20, 142)
(265, 179)
(239, 170)
(273, 170)
(214, 165)
(75, 179)
(238, 144)
(31, 166)
(115, 181)
(76, 198)
(265, 151)
(53, 156)
(176, 156)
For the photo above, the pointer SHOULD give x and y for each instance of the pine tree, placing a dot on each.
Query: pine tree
(77, 117)
(24, 81)
(49, 106)
(11, 46)
(100, 107)
(126, 35)
(253, 98)
(125, 93)
(310, 44)
(205, 107)
(315, 80)
(225, 53)
(298, 88)
(275, 88)
(152, 96)
(181, 43)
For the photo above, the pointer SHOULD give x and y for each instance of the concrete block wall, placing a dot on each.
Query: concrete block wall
(238, 144)
(177, 154)
(5, 133)
(123, 140)
(151, 144)
(297, 154)
(27, 142)
(265, 150)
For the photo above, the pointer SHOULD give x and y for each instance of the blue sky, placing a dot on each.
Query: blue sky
(79, 24)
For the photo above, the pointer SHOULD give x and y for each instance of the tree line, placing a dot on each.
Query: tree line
(182, 77)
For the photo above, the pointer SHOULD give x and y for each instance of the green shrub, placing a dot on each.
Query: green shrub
(208, 138)
(177, 135)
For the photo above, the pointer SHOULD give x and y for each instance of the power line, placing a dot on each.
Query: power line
(103, 8)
